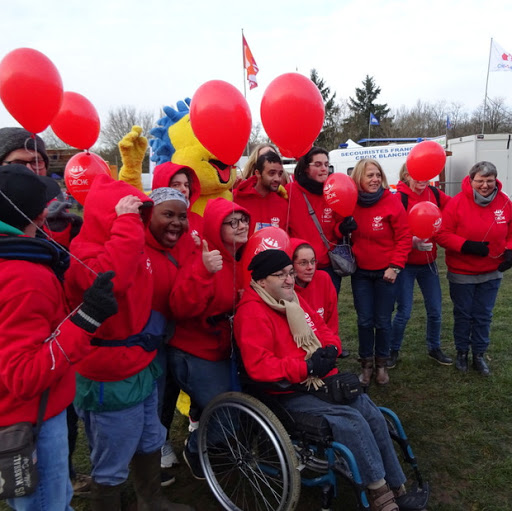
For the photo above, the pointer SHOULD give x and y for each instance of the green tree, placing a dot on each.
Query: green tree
(329, 137)
(356, 125)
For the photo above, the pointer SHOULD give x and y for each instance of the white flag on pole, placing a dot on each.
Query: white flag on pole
(500, 60)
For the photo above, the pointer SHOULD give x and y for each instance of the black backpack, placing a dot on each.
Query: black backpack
(435, 191)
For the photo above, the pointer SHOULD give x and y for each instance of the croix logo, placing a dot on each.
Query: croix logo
(437, 224)
(321, 311)
(148, 265)
(377, 223)
(499, 217)
(76, 171)
(274, 221)
(265, 244)
(328, 187)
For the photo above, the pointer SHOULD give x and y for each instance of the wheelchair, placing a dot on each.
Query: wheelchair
(256, 455)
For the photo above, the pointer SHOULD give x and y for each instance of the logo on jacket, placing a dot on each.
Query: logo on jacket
(327, 215)
(148, 265)
(274, 221)
(499, 217)
(377, 223)
(310, 322)
(321, 311)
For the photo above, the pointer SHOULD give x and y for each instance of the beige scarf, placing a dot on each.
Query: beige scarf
(302, 333)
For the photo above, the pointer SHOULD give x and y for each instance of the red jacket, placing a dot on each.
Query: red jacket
(301, 224)
(32, 306)
(382, 236)
(464, 220)
(271, 210)
(418, 256)
(111, 242)
(266, 344)
(202, 307)
(162, 177)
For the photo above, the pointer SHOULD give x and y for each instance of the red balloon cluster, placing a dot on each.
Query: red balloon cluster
(340, 193)
(80, 172)
(426, 160)
(221, 120)
(31, 90)
(425, 219)
(292, 113)
(77, 123)
(264, 239)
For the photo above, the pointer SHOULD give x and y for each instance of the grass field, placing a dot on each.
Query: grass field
(460, 426)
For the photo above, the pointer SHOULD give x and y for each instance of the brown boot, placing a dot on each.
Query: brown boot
(381, 376)
(382, 499)
(104, 497)
(146, 480)
(367, 367)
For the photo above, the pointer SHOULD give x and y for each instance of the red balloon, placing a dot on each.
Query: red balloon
(30, 88)
(425, 219)
(77, 122)
(268, 237)
(340, 193)
(80, 172)
(426, 160)
(292, 113)
(221, 120)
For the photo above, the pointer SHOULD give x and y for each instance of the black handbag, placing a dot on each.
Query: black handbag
(340, 388)
(18, 456)
(342, 260)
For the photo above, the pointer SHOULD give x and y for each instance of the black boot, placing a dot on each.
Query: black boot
(480, 365)
(461, 363)
(104, 497)
(146, 480)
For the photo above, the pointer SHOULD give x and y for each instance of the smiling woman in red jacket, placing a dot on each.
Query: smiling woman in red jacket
(381, 244)
(477, 235)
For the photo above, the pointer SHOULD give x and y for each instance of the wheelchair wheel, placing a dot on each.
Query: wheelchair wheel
(247, 456)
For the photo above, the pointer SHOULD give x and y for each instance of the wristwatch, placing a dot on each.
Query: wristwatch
(396, 269)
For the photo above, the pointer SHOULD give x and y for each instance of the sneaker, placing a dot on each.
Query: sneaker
(81, 484)
(440, 357)
(168, 457)
(192, 424)
(166, 479)
(393, 359)
(192, 460)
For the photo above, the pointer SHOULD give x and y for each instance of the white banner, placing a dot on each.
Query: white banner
(500, 60)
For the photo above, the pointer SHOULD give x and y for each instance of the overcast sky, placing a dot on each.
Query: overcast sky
(155, 52)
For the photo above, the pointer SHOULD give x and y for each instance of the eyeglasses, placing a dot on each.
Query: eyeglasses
(480, 182)
(284, 276)
(36, 163)
(305, 263)
(235, 222)
(319, 164)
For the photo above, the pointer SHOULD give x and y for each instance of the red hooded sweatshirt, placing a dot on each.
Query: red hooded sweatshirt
(301, 224)
(464, 219)
(268, 211)
(382, 236)
(161, 179)
(110, 242)
(320, 293)
(202, 308)
(266, 344)
(418, 256)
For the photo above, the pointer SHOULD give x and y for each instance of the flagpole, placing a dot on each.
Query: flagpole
(486, 84)
(369, 125)
(243, 64)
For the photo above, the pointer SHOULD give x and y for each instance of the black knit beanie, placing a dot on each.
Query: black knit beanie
(19, 138)
(267, 262)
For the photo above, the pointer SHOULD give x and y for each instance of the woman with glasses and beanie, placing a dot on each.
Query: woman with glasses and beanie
(381, 244)
(314, 286)
(477, 235)
(306, 200)
(201, 348)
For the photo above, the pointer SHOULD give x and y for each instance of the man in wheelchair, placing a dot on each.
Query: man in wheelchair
(281, 338)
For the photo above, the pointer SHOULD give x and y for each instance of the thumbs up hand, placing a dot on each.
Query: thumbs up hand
(212, 260)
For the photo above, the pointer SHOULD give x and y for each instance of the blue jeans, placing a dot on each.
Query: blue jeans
(374, 299)
(201, 379)
(336, 279)
(472, 314)
(428, 280)
(116, 436)
(362, 428)
(54, 490)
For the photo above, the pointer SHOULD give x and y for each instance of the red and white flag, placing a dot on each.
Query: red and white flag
(250, 65)
(500, 59)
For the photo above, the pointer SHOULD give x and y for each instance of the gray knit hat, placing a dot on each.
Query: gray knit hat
(19, 138)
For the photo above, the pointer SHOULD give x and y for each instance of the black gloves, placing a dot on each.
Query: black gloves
(478, 248)
(322, 361)
(507, 261)
(99, 303)
(347, 226)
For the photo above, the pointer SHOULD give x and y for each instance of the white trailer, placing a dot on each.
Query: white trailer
(466, 151)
